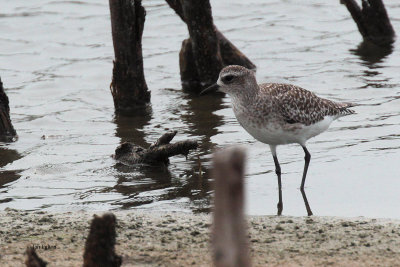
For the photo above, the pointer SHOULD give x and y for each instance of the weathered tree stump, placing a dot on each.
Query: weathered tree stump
(157, 153)
(100, 244)
(229, 236)
(207, 50)
(7, 131)
(32, 259)
(203, 38)
(372, 21)
(190, 78)
(128, 87)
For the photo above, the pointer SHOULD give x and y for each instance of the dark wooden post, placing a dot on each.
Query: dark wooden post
(230, 54)
(7, 131)
(190, 78)
(99, 247)
(372, 21)
(207, 50)
(229, 231)
(203, 38)
(128, 87)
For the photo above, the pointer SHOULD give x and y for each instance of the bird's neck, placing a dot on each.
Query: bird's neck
(246, 96)
(242, 103)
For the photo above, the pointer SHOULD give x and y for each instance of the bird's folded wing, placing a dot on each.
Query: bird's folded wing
(298, 105)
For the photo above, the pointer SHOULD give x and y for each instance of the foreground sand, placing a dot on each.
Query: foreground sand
(180, 239)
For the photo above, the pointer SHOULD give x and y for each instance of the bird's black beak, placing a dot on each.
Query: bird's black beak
(210, 89)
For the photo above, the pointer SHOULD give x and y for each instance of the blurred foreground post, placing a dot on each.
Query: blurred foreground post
(207, 50)
(229, 228)
(128, 87)
(7, 132)
(99, 247)
(372, 21)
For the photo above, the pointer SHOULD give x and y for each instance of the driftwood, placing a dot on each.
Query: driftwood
(372, 21)
(157, 153)
(100, 244)
(32, 259)
(207, 50)
(128, 87)
(7, 131)
(229, 232)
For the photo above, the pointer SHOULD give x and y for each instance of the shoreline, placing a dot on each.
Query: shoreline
(183, 239)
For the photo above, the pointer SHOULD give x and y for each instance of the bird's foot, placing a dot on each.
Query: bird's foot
(280, 208)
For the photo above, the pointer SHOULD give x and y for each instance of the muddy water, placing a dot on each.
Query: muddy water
(56, 63)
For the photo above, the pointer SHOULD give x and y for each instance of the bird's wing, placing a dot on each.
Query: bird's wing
(298, 105)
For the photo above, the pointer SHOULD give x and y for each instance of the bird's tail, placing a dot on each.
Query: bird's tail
(344, 108)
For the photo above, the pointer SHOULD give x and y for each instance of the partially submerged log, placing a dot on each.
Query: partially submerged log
(207, 50)
(372, 21)
(157, 153)
(32, 259)
(128, 87)
(229, 236)
(7, 131)
(100, 244)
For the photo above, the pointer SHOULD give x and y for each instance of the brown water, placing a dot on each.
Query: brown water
(56, 63)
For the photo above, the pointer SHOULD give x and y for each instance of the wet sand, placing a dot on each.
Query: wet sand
(183, 239)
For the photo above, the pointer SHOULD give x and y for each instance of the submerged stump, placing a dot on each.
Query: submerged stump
(372, 21)
(157, 153)
(207, 51)
(203, 38)
(128, 86)
(7, 131)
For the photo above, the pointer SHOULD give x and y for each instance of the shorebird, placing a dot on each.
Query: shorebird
(278, 114)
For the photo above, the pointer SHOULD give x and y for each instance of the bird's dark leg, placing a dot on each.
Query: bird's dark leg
(307, 159)
(278, 173)
(303, 193)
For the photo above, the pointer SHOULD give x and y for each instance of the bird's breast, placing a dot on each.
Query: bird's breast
(265, 125)
(261, 125)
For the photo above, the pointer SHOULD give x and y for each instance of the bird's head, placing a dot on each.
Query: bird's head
(233, 80)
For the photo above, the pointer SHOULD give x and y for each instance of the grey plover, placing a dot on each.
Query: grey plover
(277, 114)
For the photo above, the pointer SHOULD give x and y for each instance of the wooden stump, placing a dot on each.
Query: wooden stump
(7, 131)
(372, 21)
(229, 229)
(207, 50)
(128, 87)
(205, 45)
(189, 75)
(100, 244)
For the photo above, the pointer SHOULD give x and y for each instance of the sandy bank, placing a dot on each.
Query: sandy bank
(179, 239)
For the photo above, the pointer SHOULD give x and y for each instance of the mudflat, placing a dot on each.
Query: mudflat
(183, 239)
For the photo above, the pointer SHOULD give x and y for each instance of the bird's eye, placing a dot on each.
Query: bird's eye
(228, 78)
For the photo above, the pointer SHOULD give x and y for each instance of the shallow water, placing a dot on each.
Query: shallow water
(56, 63)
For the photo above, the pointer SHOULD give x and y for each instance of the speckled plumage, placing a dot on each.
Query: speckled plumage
(286, 110)
(276, 114)
(298, 105)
